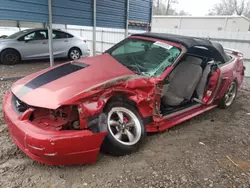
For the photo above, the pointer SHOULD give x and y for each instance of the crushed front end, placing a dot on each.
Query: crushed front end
(52, 137)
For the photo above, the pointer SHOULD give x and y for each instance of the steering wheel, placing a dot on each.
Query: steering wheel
(139, 68)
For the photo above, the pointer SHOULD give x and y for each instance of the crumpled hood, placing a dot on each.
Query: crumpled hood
(51, 87)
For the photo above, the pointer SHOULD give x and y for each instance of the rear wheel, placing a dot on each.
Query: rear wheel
(9, 57)
(74, 53)
(125, 129)
(229, 96)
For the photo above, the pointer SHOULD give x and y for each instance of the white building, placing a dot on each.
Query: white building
(216, 23)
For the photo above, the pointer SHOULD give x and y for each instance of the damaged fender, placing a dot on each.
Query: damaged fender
(139, 89)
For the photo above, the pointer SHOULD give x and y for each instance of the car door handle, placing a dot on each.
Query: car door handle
(66, 41)
(45, 42)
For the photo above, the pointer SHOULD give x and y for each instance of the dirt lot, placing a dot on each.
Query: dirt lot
(211, 150)
(25, 68)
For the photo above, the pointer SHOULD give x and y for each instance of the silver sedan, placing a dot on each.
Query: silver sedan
(33, 44)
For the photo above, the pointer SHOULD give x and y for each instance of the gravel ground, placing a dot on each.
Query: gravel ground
(211, 150)
(25, 68)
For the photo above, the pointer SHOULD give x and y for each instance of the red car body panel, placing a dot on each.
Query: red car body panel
(51, 147)
(230, 72)
(170, 121)
(90, 89)
(100, 69)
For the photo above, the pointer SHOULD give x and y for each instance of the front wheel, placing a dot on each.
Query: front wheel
(125, 129)
(229, 96)
(9, 57)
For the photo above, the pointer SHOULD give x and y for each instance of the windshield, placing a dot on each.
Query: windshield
(17, 34)
(145, 57)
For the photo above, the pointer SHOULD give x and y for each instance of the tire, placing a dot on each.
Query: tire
(74, 53)
(129, 134)
(229, 96)
(10, 57)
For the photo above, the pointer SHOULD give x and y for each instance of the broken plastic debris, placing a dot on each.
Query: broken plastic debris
(201, 143)
(232, 161)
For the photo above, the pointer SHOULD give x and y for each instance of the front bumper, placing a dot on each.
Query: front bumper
(51, 147)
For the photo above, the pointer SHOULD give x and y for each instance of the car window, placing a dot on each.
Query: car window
(145, 57)
(17, 34)
(131, 47)
(36, 35)
(61, 35)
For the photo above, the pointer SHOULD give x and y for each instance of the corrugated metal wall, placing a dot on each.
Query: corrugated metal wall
(140, 10)
(110, 13)
(25, 10)
(77, 12)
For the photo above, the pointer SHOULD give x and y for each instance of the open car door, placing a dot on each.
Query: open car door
(213, 85)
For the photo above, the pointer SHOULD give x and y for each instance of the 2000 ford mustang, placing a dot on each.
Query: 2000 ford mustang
(146, 83)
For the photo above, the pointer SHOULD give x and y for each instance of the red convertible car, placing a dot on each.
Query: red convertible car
(146, 83)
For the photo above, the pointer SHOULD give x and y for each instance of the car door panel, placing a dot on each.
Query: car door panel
(59, 47)
(33, 46)
(61, 43)
(35, 49)
(213, 85)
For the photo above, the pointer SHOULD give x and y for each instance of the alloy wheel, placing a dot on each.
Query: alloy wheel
(124, 126)
(230, 94)
(11, 57)
(75, 54)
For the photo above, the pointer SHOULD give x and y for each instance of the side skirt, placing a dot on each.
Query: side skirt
(172, 120)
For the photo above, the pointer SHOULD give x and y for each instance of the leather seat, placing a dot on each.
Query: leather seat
(39, 36)
(183, 81)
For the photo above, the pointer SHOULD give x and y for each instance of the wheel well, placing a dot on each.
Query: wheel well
(236, 80)
(76, 48)
(12, 49)
(123, 98)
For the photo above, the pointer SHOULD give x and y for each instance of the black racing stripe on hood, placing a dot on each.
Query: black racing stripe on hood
(51, 76)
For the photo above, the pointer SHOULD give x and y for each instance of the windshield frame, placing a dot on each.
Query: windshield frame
(153, 40)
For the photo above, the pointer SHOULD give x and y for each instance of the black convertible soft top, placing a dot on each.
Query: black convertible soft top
(189, 42)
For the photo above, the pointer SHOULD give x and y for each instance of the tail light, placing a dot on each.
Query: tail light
(84, 41)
